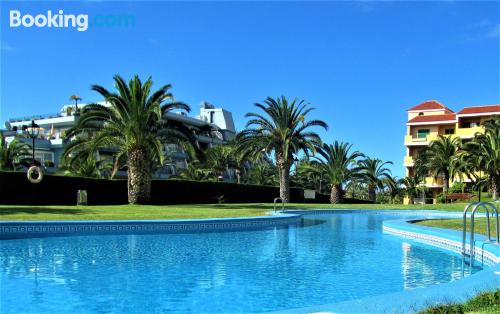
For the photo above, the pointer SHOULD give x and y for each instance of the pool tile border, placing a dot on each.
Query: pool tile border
(32, 229)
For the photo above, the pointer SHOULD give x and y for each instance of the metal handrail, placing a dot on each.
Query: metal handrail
(282, 203)
(472, 244)
(495, 210)
(464, 218)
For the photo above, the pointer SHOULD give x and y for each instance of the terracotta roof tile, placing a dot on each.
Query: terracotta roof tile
(429, 105)
(433, 118)
(481, 109)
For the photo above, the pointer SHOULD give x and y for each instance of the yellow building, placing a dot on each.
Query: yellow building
(429, 119)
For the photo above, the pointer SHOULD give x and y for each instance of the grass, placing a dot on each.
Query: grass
(153, 212)
(457, 224)
(483, 303)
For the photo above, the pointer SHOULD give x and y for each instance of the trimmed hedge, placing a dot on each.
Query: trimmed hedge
(15, 189)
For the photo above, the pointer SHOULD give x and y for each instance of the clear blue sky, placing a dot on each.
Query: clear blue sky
(361, 64)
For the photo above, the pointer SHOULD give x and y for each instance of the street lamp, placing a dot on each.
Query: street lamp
(33, 130)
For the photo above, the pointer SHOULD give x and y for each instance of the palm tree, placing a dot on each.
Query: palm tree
(13, 154)
(484, 153)
(439, 158)
(195, 171)
(374, 174)
(282, 130)
(338, 165)
(135, 126)
(262, 174)
(76, 98)
(228, 158)
(308, 175)
(394, 188)
(87, 167)
(412, 187)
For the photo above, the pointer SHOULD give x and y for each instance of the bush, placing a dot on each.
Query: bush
(441, 198)
(457, 187)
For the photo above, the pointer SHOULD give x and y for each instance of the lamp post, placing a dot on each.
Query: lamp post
(33, 131)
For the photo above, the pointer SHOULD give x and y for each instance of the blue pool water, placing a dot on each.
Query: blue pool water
(328, 258)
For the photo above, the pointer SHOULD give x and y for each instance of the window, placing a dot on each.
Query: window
(449, 131)
(422, 133)
(420, 113)
(44, 156)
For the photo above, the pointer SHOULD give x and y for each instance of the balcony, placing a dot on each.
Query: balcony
(411, 140)
(408, 162)
(430, 182)
(469, 132)
(424, 141)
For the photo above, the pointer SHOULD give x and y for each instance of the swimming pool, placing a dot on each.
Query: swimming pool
(326, 258)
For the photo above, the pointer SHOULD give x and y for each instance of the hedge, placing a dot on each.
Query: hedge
(15, 189)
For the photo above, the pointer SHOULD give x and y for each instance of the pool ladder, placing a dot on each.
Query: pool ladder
(475, 206)
(279, 199)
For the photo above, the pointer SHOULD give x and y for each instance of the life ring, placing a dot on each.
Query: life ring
(35, 174)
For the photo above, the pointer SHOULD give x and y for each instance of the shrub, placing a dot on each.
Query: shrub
(441, 198)
(457, 187)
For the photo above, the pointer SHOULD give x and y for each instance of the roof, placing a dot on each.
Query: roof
(481, 109)
(433, 118)
(429, 105)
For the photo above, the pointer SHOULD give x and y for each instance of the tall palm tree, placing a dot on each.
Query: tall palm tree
(439, 158)
(13, 154)
(484, 153)
(284, 130)
(338, 165)
(135, 125)
(374, 172)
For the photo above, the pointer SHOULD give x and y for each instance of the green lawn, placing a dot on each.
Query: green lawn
(142, 212)
(479, 224)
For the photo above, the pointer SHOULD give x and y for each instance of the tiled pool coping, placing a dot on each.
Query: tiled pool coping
(32, 229)
(405, 301)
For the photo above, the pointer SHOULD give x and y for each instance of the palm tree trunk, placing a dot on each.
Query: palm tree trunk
(495, 186)
(284, 172)
(139, 177)
(446, 180)
(372, 196)
(336, 195)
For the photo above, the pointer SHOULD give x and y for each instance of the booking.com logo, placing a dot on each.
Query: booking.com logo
(80, 22)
